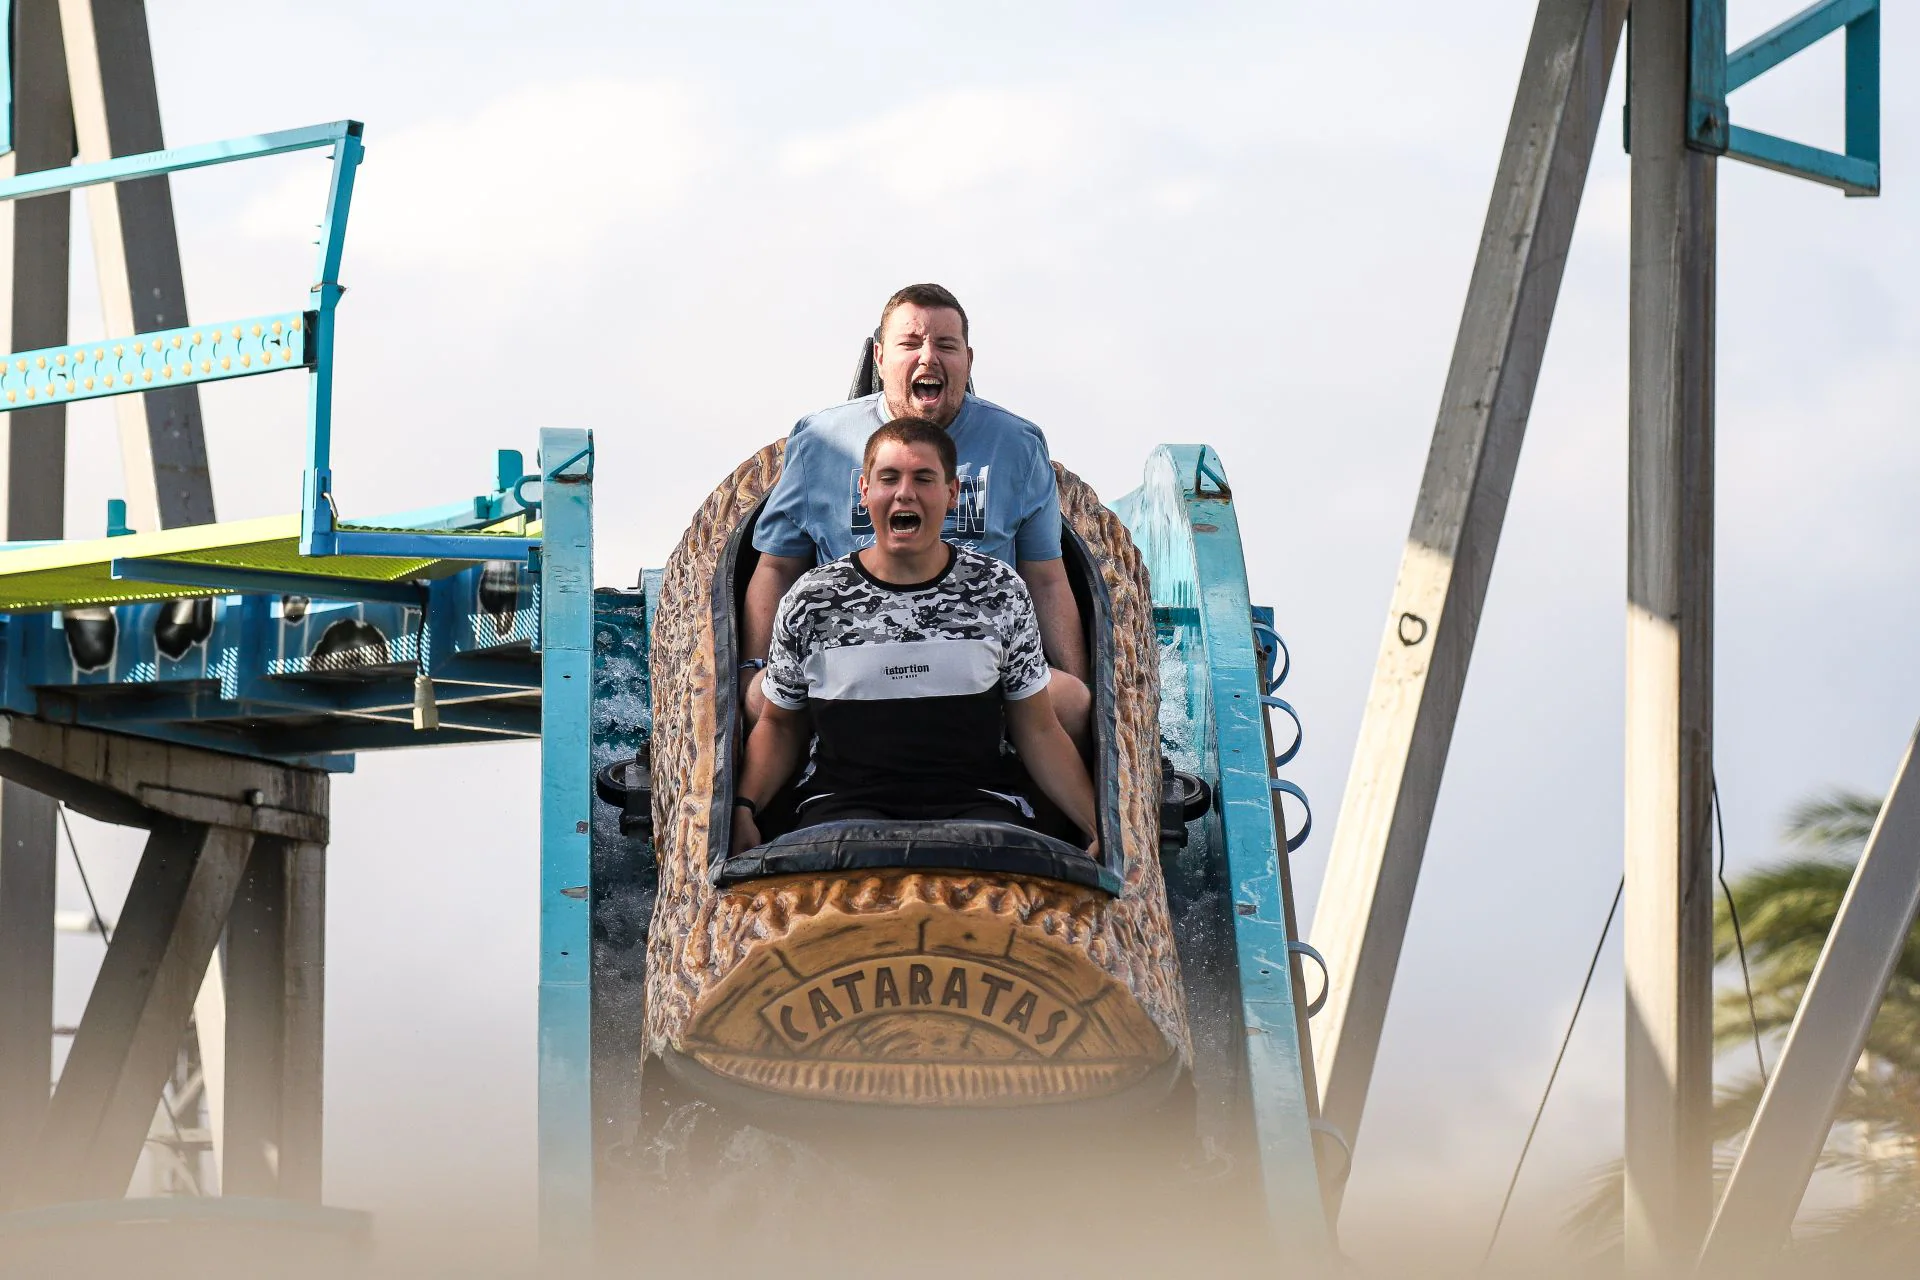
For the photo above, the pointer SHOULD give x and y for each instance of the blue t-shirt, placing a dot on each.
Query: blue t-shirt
(1009, 508)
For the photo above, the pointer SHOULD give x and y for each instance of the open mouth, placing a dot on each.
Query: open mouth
(926, 391)
(904, 522)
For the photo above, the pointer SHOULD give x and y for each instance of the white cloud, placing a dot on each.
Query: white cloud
(946, 143)
(542, 176)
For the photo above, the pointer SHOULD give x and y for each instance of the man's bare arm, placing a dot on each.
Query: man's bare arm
(775, 749)
(1051, 760)
(1058, 612)
(771, 579)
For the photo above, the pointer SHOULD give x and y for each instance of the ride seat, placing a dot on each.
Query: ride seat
(858, 844)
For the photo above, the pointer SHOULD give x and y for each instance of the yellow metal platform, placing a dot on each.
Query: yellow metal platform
(67, 575)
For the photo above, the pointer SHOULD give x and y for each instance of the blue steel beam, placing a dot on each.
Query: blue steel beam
(408, 545)
(318, 513)
(330, 741)
(150, 164)
(1796, 34)
(476, 513)
(142, 715)
(225, 578)
(1713, 73)
(1854, 176)
(1863, 92)
(566, 706)
(149, 361)
(110, 706)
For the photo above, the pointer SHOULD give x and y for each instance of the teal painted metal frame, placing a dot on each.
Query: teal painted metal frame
(193, 353)
(151, 164)
(38, 376)
(265, 344)
(318, 513)
(1184, 521)
(566, 802)
(1715, 73)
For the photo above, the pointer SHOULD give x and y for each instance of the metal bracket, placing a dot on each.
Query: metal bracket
(1299, 730)
(1306, 827)
(1326, 975)
(1280, 652)
(1714, 73)
(1207, 467)
(1324, 1128)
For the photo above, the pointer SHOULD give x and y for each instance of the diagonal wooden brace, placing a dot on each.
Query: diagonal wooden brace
(130, 1034)
(1366, 899)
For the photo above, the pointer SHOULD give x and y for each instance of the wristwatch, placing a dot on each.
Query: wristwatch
(753, 810)
(753, 664)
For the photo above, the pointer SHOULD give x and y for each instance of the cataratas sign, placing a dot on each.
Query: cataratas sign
(921, 985)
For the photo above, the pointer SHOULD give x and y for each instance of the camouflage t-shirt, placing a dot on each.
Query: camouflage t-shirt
(906, 682)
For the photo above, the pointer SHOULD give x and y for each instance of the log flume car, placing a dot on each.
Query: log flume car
(908, 964)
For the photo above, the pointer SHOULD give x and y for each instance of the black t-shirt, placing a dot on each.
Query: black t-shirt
(907, 682)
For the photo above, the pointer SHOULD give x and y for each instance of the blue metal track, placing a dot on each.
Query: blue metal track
(566, 784)
(1183, 520)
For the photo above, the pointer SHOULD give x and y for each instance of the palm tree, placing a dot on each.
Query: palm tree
(1782, 917)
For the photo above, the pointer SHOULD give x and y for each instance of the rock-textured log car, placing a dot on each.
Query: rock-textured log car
(913, 964)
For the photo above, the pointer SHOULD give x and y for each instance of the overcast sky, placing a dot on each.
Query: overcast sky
(1244, 224)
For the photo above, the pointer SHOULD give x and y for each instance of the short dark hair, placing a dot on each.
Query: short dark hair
(912, 431)
(922, 295)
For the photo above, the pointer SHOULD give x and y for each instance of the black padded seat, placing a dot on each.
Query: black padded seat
(857, 844)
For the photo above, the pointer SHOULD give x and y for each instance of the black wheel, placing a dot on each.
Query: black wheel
(1196, 797)
(613, 782)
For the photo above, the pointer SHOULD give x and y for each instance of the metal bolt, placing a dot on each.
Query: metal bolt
(256, 797)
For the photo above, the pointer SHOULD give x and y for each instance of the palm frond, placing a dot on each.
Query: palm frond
(1594, 1222)
(1837, 823)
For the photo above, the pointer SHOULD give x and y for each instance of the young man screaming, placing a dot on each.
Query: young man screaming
(1009, 507)
(915, 658)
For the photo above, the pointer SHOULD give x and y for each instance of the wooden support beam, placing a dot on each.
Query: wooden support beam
(33, 469)
(116, 112)
(275, 965)
(1824, 1044)
(27, 866)
(256, 1004)
(1669, 720)
(128, 780)
(34, 252)
(1418, 678)
(129, 1037)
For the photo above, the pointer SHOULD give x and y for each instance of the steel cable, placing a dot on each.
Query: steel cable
(1585, 984)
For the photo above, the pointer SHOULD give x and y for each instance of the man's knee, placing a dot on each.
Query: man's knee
(1072, 703)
